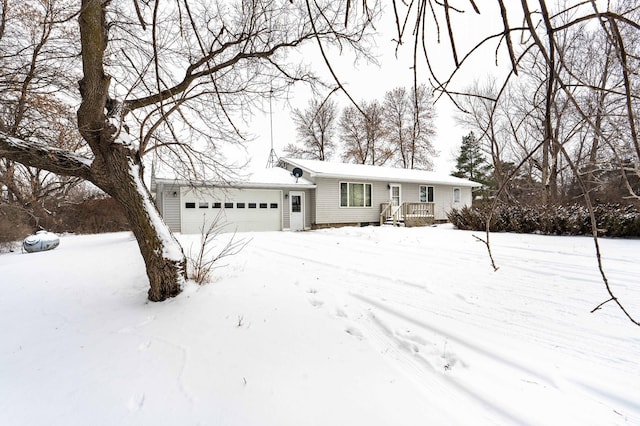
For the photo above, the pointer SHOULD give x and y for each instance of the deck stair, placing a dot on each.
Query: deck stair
(407, 214)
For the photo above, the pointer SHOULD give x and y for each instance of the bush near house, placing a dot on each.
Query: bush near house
(612, 220)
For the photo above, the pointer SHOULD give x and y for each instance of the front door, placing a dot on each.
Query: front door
(395, 195)
(296, 209)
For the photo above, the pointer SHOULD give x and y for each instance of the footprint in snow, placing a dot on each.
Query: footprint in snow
(341, 313)
(354, 331)
(316, 303)
(144, 346)
(136, 402)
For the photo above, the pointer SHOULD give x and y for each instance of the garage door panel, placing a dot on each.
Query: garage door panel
(239, 209)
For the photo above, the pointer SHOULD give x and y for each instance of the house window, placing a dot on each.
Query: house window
(456, 195)
(189, 205)
(228, 205)
(296, 204)
(355, 194)
(240, 205)
(426, 194)
(203, 205)
(216, 205)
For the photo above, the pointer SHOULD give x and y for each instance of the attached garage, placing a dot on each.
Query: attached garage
(271, 200)
(235, 209)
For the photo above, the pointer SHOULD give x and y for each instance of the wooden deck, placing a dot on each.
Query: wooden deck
(407, 214)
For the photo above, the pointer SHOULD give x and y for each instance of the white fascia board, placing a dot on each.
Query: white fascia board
(392, 178)
(255, 185)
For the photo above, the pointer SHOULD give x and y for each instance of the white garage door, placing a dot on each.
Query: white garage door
(238, 210)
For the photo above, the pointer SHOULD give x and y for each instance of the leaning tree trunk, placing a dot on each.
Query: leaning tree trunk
(163, 256)
(116, 166)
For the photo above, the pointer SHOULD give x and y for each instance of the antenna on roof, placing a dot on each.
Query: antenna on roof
(273, 158)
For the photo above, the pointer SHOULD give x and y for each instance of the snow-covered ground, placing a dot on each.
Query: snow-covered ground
(353, 326)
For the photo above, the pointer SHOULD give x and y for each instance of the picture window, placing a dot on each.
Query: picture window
(355, 194)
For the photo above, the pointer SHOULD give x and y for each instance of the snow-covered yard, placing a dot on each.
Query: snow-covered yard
(353, 326)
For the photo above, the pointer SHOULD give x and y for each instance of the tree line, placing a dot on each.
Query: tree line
(397, 131)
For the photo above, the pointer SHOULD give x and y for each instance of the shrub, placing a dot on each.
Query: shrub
(13, 225)
(91, 217)
(613, 220)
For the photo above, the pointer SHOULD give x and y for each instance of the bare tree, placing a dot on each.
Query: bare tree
(409, 126)
(420, 150)
(364, 135)
(316, 128)
(35, 79)
(170, 78)
(397, 118)
(541, 34)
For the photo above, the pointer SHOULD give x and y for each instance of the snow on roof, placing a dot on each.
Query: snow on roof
(275, 176)
(328, 169)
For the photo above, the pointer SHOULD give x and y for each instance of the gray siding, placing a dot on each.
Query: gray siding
(328, 208)
(308, 208)
(170, 209)
(442, 197)
(325, 208)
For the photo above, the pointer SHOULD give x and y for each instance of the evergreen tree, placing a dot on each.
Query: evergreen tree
(471, 163)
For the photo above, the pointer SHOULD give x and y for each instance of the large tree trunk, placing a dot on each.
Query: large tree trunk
(163, 256)
(117, 166)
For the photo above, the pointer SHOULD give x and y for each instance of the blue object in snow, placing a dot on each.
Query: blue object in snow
(40, 241)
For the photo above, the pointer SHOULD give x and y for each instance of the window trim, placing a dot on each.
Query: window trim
(364, 188)
(459, 192)
(433, 193)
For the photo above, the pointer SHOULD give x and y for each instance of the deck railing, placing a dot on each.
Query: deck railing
(411, 214)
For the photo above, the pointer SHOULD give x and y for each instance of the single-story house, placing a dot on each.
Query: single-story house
(307, 194)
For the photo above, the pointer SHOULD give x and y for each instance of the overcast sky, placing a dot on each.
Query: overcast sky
(368, 82)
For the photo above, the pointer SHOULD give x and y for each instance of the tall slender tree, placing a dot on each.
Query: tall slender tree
(364, 135)
(409, 126)
(315, 126)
